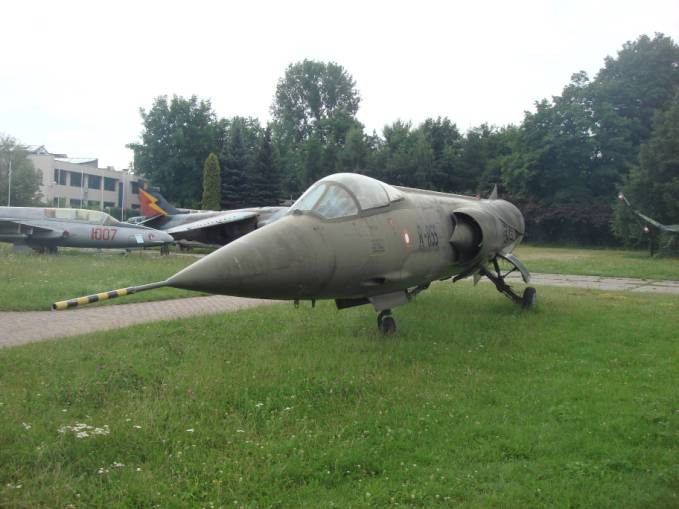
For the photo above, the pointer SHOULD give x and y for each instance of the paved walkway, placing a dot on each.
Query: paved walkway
(608, 284)
(19, 327)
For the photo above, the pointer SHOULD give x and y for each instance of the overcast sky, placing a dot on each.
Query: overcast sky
(73, 74)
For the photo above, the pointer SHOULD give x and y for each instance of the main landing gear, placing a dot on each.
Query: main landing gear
(386, 323)
(526, 301)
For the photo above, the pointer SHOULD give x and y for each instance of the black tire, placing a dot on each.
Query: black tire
(529, 298)
(387, 325)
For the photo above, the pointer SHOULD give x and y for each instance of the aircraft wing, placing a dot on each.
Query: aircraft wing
(672, 228)
(13, 230)
(212, 222)
(9, 221)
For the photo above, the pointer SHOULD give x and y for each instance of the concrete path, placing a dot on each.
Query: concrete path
(19, 327)
(608, 284)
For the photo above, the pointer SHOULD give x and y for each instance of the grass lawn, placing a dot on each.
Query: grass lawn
(597, 262)
(473, 403)
(32, 281)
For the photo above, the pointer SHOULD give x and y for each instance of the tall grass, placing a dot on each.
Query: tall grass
(472, 403)
(31, 281)
(598, 262)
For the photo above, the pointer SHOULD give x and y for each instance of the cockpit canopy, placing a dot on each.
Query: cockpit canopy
(344, 195)
(88, 216)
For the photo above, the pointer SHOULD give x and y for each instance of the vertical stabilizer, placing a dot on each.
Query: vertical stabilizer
(152, 203)
(493, 194)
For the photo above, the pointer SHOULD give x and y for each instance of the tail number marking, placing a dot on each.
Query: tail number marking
(107, 234)
(428, 237)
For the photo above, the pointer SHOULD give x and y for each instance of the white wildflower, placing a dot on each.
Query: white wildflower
(26, 425)
(190, 430)
(81, 430)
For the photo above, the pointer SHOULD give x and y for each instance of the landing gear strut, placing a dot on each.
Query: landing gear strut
(526, 301)
(386, 323)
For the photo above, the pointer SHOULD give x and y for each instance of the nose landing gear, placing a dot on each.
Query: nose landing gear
(386, 323)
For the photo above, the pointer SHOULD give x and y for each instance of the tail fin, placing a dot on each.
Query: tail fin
(493, 194)
(154, 204)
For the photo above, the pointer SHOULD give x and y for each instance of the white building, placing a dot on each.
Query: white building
(80, 183)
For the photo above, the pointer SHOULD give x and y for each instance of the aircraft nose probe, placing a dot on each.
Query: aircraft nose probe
(89, 299)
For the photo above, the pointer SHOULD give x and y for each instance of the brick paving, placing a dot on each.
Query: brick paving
(20, 327)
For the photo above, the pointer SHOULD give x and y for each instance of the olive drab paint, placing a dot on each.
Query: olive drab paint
(357, 240)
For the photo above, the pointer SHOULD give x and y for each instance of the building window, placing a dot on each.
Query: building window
(135, 187)
(60, 176)
(75, 203)
(94, 181)
(93, 204)
(109, 205)
(76, 179)
(109, 184)
(135, 206)
(59, 202)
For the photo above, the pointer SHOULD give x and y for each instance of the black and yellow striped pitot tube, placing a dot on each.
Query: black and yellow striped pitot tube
(89, 299)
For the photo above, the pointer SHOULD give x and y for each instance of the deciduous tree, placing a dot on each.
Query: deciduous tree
(315, 97)
(177, 136)
(26, 180)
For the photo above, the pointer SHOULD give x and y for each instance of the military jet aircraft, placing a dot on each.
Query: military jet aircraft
(357, 240)
(44, 229)
(671, 228)
(207, 227)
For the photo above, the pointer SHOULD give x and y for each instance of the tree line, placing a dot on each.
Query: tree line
(563, 164)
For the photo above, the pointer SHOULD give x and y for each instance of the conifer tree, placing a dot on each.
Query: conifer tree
(212, 184)
(266, 177)
(235, 169)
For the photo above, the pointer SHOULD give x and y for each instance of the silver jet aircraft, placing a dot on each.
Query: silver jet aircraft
(44, 229)
(205, 227)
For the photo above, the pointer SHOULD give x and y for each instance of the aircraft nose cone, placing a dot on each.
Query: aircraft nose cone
(164, 237)
(288, 259)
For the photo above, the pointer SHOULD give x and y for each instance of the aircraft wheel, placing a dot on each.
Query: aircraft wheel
(386, 323)
(529, 298)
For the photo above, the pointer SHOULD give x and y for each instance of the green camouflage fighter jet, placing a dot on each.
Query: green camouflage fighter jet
(357, 240)
(671, 228)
